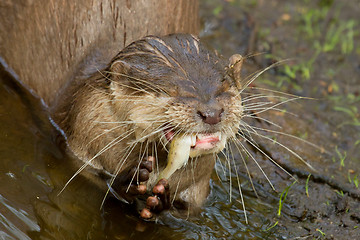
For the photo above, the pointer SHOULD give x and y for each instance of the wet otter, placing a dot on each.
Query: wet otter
(159, 98)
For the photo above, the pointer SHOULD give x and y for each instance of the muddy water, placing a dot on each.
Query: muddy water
(34, 167)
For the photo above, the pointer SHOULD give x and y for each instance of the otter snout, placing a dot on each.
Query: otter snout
(211, 116)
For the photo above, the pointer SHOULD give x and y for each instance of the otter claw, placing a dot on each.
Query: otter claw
(159, 202)
(146, 214)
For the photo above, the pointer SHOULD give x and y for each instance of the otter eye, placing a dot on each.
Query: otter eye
(223, 88)
(227, 79)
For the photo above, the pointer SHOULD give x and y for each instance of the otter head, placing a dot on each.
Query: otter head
(173, 87)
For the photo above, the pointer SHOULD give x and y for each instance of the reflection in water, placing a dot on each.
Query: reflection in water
(11, 227)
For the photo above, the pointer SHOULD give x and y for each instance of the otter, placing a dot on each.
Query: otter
(159, 100)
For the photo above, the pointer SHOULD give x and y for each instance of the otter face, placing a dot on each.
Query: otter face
(175, 87)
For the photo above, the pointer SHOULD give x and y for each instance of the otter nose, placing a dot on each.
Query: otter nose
(211, 116)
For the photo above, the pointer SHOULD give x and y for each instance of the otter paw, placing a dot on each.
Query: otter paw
(159, 202)
(130, 183)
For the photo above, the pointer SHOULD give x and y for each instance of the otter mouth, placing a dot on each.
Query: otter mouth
(205, 141)
(200, 141)
(183, 146)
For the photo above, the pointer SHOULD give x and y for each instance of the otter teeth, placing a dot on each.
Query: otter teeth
(193, 140)
(204, 135)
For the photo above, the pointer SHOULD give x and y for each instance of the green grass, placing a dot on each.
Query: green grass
(283, 198)
(321, 232)
(340, 193)
(272, 226)
(341, 156)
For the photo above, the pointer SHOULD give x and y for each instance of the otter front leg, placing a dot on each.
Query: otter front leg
(129, 184)
(189, 199)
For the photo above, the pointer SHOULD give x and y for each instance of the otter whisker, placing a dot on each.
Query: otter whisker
(124, 123)
(271, 159)
(243, 126)
(253, 97)
(292, 136)
(247, 169)
(166, 141)
(222, 167)
(105, 132)
(156, 131)
(193, 163)
(156, 157)
(229, 168)
(87, 163)
(131, 77)
(97, 90)
(136, 173)
(283, 93)
(177, 186)
(258, 73)
(257, 104)
(132, 99)
(129, 150)
(250, 55)
(286, 148)
(253, 103)
(266, 109)
(136, 89)
(216, 161)
(237, 141)
(239, 183)
(275, 105)
(264, 119)
(153, 87)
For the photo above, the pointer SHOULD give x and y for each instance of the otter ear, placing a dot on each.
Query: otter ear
(235, 64)
(119, 69)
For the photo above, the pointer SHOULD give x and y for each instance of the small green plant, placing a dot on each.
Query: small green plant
(321, 232)
(356, 181)
(283, 197)
(341, 156)
(271, 227)
(341, 193)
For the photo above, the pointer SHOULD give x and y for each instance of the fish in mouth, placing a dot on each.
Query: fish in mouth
(183, 146)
